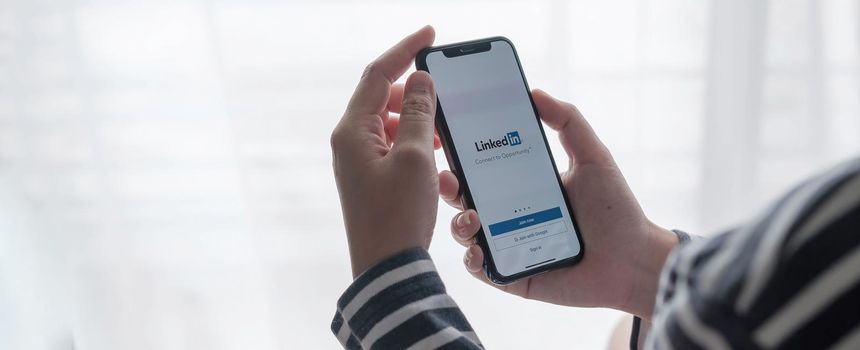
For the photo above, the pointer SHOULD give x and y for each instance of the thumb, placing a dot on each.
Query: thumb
(417, 114)
(577, 137)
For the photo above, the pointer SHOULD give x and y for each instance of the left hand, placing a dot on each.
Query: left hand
(624, 250)
(388, 188)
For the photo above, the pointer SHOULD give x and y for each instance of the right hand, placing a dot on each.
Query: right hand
(381, 161)
(624, 251)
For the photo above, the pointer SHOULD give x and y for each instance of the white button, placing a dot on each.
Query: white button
(529, 235)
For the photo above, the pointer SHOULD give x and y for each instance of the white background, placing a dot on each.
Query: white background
(165, 176)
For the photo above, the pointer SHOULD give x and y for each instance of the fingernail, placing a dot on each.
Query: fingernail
(470, 257)
(417, 82)
(468, 218)
(462, 220)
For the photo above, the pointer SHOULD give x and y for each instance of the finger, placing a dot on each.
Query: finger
(464, 226)
(395, 98)
(577, 137)
(449, 189)
(416, 117)
(395, 105)
(392, 124)
(371, 95)
(474, 261)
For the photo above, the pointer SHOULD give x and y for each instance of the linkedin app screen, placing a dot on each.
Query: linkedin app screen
(504, 158)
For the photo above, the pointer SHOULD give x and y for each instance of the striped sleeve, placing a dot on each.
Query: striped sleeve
(788, 280)
(401, 303)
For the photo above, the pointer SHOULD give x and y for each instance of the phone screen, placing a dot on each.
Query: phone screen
(504, 158)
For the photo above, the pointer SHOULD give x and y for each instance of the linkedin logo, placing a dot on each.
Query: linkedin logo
(510, 139)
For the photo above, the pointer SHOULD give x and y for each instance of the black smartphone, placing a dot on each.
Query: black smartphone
(495, 144)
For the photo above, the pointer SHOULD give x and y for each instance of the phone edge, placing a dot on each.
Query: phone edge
(453, 164)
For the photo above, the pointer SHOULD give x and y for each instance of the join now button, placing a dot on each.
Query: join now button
(525, 221)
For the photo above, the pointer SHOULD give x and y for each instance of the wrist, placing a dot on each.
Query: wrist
(648, 267)
(370, 252)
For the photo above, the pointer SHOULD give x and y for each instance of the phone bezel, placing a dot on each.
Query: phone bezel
(454, 163)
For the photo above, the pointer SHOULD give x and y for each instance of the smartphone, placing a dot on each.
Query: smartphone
(496, 146)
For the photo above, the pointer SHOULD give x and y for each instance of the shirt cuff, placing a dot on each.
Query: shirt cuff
(683, 237)
(384, 288)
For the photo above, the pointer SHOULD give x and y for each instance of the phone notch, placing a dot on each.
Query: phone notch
(466, 49)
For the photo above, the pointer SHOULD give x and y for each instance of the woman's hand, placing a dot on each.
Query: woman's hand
(624, 251)
(388, 187)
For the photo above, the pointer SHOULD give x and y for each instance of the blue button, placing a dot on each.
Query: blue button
(525, 221)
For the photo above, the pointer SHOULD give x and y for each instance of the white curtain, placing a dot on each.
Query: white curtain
(165, 173)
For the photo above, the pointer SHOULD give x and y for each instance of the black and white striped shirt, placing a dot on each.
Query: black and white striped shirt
(789, 279)
(401, 304)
